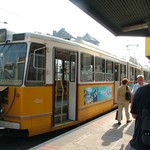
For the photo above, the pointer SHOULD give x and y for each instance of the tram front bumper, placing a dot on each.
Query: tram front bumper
(12, 129)
(10, 125)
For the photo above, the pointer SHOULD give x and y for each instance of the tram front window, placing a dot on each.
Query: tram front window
(12, 61)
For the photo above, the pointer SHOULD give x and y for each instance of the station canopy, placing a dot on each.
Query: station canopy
(120, 17)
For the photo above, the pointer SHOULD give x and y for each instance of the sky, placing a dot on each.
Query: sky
(47, 15)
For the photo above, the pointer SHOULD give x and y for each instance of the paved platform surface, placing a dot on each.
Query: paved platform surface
(102, 133)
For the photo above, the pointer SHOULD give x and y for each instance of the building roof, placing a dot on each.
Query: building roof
(62, 33)
(121, 17)
(90, 39)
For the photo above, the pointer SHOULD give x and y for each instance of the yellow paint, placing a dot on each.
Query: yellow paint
(94, 110)
(32, 108)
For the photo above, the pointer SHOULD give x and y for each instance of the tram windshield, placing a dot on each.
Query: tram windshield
(12, 61)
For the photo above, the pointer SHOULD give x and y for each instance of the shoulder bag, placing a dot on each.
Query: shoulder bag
(127, 94)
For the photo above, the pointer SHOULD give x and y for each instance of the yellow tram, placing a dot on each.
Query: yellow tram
(48, 83)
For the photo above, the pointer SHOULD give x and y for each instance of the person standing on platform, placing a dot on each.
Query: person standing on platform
(122, 102)
(140, 82)
(141, 97)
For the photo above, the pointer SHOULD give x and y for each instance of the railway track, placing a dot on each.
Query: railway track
(18, 143)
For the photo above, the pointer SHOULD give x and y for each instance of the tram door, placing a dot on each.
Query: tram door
(65, 86)
(117, 80)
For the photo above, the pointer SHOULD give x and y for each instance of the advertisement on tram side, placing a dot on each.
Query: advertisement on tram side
(95, 94)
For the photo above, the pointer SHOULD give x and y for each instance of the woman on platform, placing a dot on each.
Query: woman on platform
(122, 102)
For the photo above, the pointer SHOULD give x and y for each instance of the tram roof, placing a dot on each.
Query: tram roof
(120, 17)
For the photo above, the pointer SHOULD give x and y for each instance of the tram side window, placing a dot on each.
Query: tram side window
(87, 67)
(137, 72)
(36, 65)
(109, 70)
(132, 74)
(122, 71)
(99, 69)
(146, 76)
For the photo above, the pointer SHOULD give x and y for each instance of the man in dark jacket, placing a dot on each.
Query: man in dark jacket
(141, 97)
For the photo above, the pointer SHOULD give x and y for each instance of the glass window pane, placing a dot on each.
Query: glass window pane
(99, 69)
(72, 68)
(12, 62)
(122, 71)
(132, 74)
(109, 71)
(36, 65)
(87, 67)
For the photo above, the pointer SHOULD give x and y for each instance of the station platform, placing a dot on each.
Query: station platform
(102, 133)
